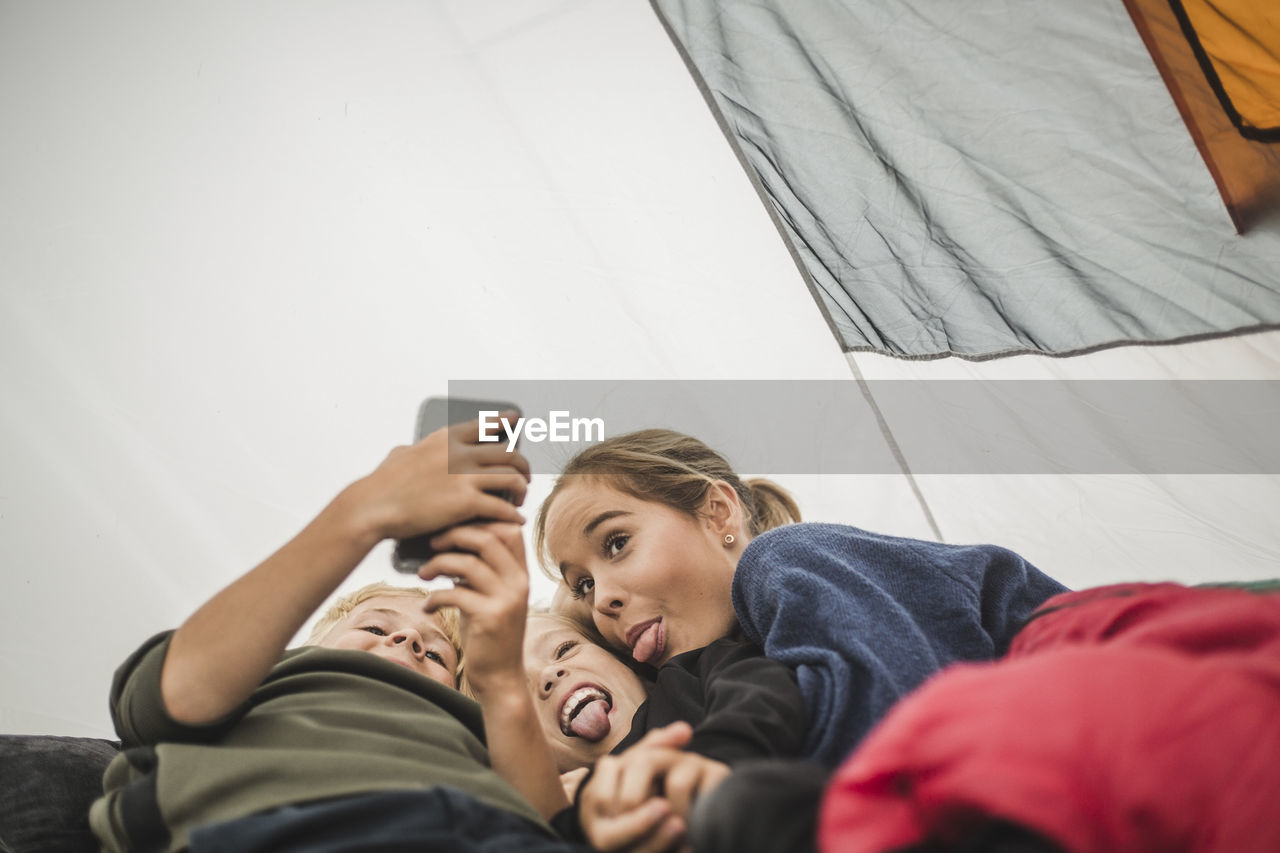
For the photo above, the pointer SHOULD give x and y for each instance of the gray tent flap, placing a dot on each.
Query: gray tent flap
(978, 180)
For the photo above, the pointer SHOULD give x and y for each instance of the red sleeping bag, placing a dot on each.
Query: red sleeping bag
(1126, 718)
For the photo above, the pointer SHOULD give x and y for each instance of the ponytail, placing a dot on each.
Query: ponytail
(773, 505)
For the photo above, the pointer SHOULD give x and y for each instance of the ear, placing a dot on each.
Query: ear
(722, 510)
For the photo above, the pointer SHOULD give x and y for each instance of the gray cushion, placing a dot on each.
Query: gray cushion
(46, 787)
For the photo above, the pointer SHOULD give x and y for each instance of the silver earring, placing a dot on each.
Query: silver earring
(728, 539)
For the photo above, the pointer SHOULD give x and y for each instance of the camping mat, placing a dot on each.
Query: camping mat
(978, 179)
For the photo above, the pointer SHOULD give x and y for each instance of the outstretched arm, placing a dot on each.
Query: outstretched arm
(225, 649)
(492, 592)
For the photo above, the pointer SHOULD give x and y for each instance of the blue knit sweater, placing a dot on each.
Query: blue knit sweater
(865, 618)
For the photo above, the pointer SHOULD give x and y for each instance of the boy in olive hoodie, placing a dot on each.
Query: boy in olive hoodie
(361, 741)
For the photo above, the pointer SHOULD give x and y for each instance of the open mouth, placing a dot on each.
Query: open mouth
(648, 641)
(585, 713)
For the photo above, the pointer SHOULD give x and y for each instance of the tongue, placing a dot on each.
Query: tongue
(592, 722)
(646, 647)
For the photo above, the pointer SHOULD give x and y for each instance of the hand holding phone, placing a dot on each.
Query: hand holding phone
(433, 414)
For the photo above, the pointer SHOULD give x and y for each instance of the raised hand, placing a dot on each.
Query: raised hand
(639, 802)
(445, 479)
(491, 589)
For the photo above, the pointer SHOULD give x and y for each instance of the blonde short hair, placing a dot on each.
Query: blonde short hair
(588, 630)
(450, 619)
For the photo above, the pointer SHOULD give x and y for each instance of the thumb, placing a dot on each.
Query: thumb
(672, 736)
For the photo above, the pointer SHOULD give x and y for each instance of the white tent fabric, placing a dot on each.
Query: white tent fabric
(239, 242)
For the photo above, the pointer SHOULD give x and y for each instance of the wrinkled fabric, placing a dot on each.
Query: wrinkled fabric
(1128, 718)
(977, 179)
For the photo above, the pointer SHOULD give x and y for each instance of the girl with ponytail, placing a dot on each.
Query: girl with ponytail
(673, 514)
(668, 552)
(654, 522)
(666, 549)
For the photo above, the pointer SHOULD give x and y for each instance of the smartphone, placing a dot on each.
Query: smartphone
(434, 413)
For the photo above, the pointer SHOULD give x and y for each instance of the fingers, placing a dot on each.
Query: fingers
(496, 449)
(690, 778)
(493, 539)
(674, 736)
(622, 807)
(643, 773)
(485, 556)
(622, 783)
(684, 776)
(497, 507)
(600, 795)
(668, 837)
(651, 828)
(655, 767)
(466, 600)
(498, 453)
(468, 431)
(610, 824)
(465, 458)
(681, 786)
(470, 571)
(491, 582)
(571, 780)
(465, 453)
(492, 493)
(466, 570)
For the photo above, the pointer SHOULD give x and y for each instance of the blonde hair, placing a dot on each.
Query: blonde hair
(588, 630)
(450, 619)
(673, 469)
(591, 634)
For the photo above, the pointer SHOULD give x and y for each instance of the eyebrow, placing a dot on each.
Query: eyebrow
(593, 524)
(552, 641)
(434, 629)
(601, 519)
